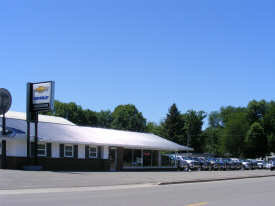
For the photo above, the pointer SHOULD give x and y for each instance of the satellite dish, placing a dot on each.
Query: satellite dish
(5, 101)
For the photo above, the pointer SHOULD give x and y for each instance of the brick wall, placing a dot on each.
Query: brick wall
(63, 164)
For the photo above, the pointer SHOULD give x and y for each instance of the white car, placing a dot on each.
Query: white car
(267, 165)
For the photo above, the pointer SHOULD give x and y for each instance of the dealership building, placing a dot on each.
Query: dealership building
(62, 145)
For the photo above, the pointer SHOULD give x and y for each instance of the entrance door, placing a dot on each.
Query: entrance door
(113, 159)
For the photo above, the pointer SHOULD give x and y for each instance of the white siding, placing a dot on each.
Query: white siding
(81, 151)
(55, 150)
(21, 148)
(105, 152)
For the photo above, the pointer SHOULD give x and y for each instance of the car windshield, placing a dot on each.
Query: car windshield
(185, 158)
(243, 160)
(197, 159)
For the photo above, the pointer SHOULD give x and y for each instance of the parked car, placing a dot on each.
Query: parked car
(254, 163)
(191, 164)
(204, 165)
(235, 164)
(182, 165)
(216, 164)
(208, 162)
(267, 165)
(272, 165)
(246, 164)
(261, 164)
(226, 164)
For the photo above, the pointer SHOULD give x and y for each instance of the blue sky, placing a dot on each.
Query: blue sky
(198, 54)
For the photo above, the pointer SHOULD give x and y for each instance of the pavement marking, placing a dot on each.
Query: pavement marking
(72, 189)
(203, 203)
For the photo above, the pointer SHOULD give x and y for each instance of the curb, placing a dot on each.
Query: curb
(210, 180)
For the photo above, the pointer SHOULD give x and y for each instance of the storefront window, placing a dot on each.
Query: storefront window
(137, 158)
(155, 158)
(127, 157)
(147, 158)
(168, 159)
(133, 158)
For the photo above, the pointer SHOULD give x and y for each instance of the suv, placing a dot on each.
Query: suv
(191, 164)
(261, 164)
(254, 163)
(246, 164)
(226, 164)
(216, 164)
(272, 166)
(182, 164)
(235, 164)
(204, 165)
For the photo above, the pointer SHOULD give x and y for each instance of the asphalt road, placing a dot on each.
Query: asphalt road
(248, 191)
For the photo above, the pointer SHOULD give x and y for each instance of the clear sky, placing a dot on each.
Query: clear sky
(199, 54)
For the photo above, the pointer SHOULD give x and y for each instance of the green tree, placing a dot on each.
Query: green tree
(255, 111)
(154, 128)
(193, 128)
(127, 117)
(104, 119)
(73, 113)
(173, 126)
(215, 120)
(256, 141)
(212, 141)
(234, 133)
(89, 118)
(226, 111)
(259, 140)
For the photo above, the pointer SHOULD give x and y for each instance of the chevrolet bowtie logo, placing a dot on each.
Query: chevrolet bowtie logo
(41, 89)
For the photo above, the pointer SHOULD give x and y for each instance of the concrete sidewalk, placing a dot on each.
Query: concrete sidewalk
(18, 179)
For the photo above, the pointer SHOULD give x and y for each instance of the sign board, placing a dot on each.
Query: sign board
(40, 97)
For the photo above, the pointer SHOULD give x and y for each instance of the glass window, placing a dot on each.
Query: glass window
(155, 160)
(137, 158)
(68, 151)
(41, 149)
(168, 159)
(147, 158)
(93, 152)
(127, 157)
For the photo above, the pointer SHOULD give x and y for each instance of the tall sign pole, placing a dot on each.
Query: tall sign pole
(5, 103)
(40, 98)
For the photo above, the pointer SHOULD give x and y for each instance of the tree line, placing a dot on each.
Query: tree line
(233, 131)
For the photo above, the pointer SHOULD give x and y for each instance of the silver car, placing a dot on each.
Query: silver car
(261, 164)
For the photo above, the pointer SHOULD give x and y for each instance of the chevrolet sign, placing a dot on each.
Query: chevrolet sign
(41, 96)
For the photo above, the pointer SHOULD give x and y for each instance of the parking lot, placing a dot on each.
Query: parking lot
(18, 179)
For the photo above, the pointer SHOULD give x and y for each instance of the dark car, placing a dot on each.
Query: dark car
(226, 164)
(204, 165)
(216, 164)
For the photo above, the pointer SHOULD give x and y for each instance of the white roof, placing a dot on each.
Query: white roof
(41, 118)
(73, 134)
